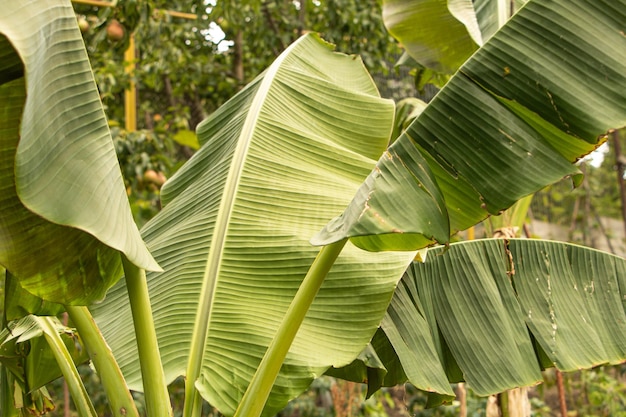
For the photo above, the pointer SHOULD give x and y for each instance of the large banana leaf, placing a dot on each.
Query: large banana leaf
(495, 309)
(435, 35)
(64, 214)
(542, 92)
(276, 162)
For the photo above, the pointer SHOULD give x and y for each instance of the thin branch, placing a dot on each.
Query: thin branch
(602, 229)
(561, 391)
(619, 162)
(238, 69)
(273, 27)
(101, 3)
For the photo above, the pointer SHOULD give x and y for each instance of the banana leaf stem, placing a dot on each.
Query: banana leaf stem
(68, 369)
(504, 403)
(6, 394)
(6, 381)
(155, 389)
(118, 394)
(258, 391)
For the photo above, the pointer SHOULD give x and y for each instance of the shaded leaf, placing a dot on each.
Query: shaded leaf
(20, 303)
(463, 11)
(572, 299)
(406, 111)
(27, 355)
(367, 368)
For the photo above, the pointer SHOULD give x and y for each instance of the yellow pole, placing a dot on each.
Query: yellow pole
(130, 95)
(182, 15)
(101, 3)
(97, 3)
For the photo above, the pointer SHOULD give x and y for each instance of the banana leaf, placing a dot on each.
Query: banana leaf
(64, 216)
(20, 303)
(276, 162)
(438, 35)
(26, 354)
(441, 46)
(536, 97)
(496, 306)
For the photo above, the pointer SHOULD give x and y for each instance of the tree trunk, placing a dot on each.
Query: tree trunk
(619, 162)
(588, 239)
(461, 393)
(492, 409)
(561, 390)
(572, 225)
(197, 114)
(301, 18)
(169, 91)
(518, 404)
(603, 230)
(238, 58)
(272, 25)
(512, 403)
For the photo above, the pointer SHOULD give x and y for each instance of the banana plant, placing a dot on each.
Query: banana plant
(66, 229)
(244, 300)
(494, 134)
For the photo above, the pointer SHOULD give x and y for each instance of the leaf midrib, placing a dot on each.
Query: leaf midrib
(214, 257)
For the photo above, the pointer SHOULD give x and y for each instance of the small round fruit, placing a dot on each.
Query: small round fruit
(115, 31)
(162, 178)
(150, 176)
(83, 24)
(153, 177)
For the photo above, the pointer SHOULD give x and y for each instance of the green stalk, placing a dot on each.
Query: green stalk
(504, 403)
(155, 388)
(6, 394)
(118, 394)
(68, 369)
(6, 385)
(258, 391)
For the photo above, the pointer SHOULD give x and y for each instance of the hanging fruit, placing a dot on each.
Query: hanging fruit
(115, 31)
(83, 24)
